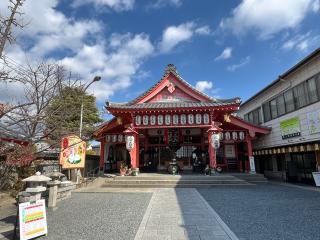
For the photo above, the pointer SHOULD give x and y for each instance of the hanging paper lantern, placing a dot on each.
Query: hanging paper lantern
(138, 120)
(152, 119)
(227, 136)
(145, 120)
(160, 119)
(167, 119)
(234, 135)
(206, 118)
(215, 140)
(129, 142)
(183, 119)
(241, 135)
(198, 118)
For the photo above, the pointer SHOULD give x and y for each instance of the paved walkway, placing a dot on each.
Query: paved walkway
(181, 214)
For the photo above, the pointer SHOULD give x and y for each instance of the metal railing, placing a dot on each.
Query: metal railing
(93, 172)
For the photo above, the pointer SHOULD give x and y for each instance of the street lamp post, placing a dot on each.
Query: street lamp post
(95, 79)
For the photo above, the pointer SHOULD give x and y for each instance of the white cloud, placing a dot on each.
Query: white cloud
(316, 6)
(302, 42)
(86, 52)
(164, 3)
(71, 37)
(226, 53)
(267, 17)
(204, 30)
(203, 85)
(173, 35)
(116, 66)
(117, 5)
(50, 30)
(242, 63)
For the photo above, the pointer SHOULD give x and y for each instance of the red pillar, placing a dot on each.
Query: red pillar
(212, 153)
(134, 151)
(250, 154)
(101, 162)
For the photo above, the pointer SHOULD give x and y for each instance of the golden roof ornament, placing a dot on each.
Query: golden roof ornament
(226, 117)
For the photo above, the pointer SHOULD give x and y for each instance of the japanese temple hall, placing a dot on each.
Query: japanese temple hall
(173, 119)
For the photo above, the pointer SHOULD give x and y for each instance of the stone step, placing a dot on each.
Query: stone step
(157, 181)
(177, 178)
(170, 185)
(172, 181)
(251, 177)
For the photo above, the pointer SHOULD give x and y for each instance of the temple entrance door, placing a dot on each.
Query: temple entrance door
(151, 159)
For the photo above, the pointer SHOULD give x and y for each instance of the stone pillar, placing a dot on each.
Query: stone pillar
(53, 193)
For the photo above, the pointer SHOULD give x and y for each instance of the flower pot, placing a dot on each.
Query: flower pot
(135, 171)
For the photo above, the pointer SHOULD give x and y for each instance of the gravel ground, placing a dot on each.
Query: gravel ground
(98, 216)
(267, 211)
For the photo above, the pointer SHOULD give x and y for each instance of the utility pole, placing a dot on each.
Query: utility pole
(95, 79)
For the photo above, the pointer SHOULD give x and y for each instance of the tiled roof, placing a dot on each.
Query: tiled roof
(168, 105)
(170, 69)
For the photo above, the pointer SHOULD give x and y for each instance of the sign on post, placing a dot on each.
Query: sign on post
(32, 219)
(73, 152)
(252, 165)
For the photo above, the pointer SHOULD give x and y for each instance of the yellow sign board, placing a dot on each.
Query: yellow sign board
(73, 152)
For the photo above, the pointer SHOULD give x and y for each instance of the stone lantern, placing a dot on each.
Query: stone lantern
(53, 187)
(36, 185)
(55, 176)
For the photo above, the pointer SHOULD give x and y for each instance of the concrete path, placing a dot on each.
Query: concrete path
(181, 214)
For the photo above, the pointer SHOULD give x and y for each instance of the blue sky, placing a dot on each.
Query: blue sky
(224, 48)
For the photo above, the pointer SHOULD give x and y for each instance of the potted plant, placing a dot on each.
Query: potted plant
(123, 168)
(135, 171)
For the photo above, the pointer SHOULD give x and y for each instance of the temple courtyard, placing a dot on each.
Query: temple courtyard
(244, 211)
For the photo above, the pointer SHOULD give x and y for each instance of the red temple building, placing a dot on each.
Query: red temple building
(203, 130)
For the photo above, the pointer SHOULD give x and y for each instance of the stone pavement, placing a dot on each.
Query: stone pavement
(7, 216)
(181, 214)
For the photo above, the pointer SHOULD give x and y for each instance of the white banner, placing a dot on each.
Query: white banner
(252, 165)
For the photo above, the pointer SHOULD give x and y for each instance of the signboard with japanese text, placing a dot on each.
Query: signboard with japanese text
(252, 164)
(32, 219)
(313, 119)
(290, 128)
(73, 152)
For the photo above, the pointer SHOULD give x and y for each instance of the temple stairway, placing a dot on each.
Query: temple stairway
(155, 180)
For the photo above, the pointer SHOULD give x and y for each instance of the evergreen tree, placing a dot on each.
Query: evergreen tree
(63, 114)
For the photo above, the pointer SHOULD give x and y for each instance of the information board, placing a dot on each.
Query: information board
(313, 119)
(32, 219)
(290, 128)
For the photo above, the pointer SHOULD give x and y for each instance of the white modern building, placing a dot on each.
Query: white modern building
(290, 106)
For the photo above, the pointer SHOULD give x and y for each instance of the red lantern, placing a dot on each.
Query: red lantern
(65, 143)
